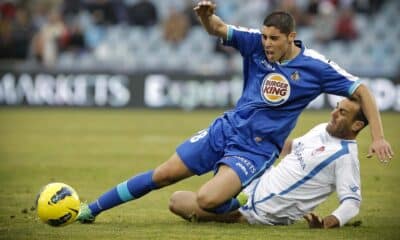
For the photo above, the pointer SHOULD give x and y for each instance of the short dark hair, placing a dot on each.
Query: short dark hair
(282, 21)
(360, 116)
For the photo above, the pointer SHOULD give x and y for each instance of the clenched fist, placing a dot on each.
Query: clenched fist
(205, 9)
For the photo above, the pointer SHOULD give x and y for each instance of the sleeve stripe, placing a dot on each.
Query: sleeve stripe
(316, 55)
(346, 198)
(229, 33)
(354, 87)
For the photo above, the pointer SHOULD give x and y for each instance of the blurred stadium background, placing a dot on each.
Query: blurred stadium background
(111, 53)
(135, 54)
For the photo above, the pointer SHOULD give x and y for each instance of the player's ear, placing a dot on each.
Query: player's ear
(292, 36)
(357, 126)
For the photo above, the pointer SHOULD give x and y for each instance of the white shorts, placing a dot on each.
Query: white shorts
(267, 219)
(261, 217)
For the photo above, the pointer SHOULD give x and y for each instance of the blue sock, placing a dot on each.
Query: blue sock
(126, 191)
(226, 207)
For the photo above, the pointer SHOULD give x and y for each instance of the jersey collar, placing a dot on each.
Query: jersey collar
(301, 46)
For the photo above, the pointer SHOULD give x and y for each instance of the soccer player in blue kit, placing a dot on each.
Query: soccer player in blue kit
(281, 77)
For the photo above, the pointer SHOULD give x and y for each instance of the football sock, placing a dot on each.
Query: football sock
(226, 207)
(133, 188)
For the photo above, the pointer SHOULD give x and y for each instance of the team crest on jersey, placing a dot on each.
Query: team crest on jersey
(295, 76)
(275, 89)
(318, 150)
(354, 188)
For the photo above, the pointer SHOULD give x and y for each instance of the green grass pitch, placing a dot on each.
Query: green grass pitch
(93, 150)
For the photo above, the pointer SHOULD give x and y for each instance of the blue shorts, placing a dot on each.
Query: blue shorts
(209, 148)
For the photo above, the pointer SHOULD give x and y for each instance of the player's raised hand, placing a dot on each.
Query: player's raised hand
(205, 9)
(313, 220)
(382, 149)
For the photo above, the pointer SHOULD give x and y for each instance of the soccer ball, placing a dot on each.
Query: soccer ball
(57, 204)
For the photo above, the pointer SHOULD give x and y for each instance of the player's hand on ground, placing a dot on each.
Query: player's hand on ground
(313, 220)
(205, 9)
(382, 149)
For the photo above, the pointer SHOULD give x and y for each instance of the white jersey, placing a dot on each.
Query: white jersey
(318, 165)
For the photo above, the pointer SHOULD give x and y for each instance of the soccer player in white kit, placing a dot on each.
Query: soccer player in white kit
(322, 161)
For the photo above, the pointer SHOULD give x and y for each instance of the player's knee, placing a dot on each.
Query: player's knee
(174, 202)
(162, 178)
(206, 201)
(178, 205)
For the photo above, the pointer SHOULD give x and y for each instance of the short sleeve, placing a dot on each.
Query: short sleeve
(337, 81)
(245, 40)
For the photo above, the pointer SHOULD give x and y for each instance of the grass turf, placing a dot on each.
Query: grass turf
(93, 150)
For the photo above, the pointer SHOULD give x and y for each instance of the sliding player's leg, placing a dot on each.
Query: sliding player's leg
(218, 194)
(184, 204)
(167, 173)
(234, 173)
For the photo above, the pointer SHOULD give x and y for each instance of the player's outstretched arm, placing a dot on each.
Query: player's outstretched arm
(348, 209)
(315, 221)
(379, 145)
(212, 24)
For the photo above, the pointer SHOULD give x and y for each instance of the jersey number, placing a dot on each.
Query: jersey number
(198, 136)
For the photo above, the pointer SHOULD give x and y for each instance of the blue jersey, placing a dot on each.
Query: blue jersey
(275, 94)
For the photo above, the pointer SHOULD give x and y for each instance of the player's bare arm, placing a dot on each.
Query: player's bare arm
(287, 148)
(205, 10)
(379, 145)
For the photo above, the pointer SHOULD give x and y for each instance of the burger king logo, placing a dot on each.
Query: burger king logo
(275, 89)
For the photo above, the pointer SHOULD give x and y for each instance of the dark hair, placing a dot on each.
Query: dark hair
(282, 21)
(360, 116)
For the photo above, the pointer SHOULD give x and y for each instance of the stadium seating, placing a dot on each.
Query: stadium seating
(134, 48)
